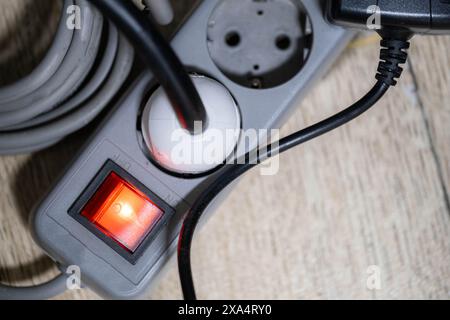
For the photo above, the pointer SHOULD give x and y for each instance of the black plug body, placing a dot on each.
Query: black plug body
(409, 16)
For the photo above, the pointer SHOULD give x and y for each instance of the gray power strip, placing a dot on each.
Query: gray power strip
(109, 269)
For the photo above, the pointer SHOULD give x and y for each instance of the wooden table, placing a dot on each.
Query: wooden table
(368, 200)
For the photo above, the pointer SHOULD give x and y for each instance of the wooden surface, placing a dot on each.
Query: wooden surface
(375, 193)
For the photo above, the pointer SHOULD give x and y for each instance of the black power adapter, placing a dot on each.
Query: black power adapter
(397, 21)
(408, 16)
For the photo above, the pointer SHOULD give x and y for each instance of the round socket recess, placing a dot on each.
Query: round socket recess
(259, 43)
(180, 152)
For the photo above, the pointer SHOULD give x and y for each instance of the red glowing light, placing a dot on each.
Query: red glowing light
(122, 212)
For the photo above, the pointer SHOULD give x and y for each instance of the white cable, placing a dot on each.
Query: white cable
(161, 10)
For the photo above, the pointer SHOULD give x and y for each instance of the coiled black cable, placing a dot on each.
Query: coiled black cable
(392, 58)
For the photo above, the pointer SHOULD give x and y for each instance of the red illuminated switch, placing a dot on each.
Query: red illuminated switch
(122, 212)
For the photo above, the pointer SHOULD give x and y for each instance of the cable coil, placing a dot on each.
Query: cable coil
(79, 76)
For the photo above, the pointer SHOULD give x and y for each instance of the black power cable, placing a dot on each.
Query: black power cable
(392, 55)
(160, 58)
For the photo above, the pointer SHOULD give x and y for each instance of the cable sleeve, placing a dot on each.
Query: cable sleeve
(393, 53)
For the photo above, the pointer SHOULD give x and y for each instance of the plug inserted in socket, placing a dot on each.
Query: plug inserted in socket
(177, 150)
(259, 43)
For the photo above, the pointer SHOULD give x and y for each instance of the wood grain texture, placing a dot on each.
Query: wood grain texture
(372, 193)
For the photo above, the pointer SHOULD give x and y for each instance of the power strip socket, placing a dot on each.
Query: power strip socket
(260, 44)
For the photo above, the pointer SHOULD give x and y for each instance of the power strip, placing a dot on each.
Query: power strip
(117, 161)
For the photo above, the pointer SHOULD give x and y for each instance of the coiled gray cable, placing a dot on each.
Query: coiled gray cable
(46, 68)
(75, 81)
(44, 291)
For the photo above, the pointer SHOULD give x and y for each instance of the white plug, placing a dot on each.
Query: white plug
(178, 151)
